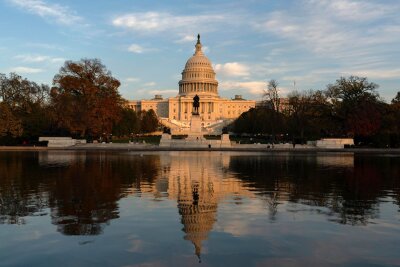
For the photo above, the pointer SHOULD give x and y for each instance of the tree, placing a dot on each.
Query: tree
(396, 99)
(128, 124)
(20, 94)
(272, 95)
(356, 105)
(310, 115)
(149, 121)
(85, 98)
(27, 101)
(273, 101)
(9, 124)
(299, 114)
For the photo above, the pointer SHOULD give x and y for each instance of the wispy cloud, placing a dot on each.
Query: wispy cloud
(352, 10)
(328, 27)
(152, 22)
(60, 14)
(39, 58)
(132, 79)
(26, 70)
(376, 74)
(150, 84)
(186, 39)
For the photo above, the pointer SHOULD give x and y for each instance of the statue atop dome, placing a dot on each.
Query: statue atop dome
(198, 46)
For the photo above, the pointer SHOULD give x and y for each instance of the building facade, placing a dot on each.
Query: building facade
(198, 78)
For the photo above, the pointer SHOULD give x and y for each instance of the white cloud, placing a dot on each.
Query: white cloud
(252, 87)
(59, 13)
(149, 84)
(39, 58)
(232, 69)
(26, 70)
(132, 79)
(187, 39)
(151, 22)
(135, 48)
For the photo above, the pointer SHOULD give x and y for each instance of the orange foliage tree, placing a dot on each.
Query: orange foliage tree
(85, 98)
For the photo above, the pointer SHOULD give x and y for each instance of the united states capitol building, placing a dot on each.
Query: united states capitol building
(198, 78)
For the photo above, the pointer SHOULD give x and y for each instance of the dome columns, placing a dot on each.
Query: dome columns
(201, 88)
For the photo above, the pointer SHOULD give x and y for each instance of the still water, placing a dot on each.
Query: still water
(199, 209)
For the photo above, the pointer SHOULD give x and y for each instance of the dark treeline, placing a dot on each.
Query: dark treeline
(83, 102)
(351, 107)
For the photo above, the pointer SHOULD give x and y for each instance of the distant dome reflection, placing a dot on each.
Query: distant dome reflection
(198, 181)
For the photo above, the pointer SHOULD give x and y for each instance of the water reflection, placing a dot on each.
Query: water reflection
(198, 182)
(80, 192)
(351, 188)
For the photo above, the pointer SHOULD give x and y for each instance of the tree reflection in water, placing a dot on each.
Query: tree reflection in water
(350, 188)
(81, 190)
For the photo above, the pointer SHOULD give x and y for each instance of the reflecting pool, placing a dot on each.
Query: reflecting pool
(60, 208)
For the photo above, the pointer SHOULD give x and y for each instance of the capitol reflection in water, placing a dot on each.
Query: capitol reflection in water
(227, 204)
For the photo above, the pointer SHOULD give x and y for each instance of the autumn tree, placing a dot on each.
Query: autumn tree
(356, 104)
(85, 98)
(28, 103)
(9, 124)
(20, 93)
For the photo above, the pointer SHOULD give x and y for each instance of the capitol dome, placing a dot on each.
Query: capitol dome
(198, 77)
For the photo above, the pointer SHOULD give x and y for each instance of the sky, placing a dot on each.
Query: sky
(303, 44)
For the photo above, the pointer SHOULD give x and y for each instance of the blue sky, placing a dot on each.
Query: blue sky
(146, 43)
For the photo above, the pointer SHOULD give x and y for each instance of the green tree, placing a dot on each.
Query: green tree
(149, 121)
(129, 123)
(85, 98)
